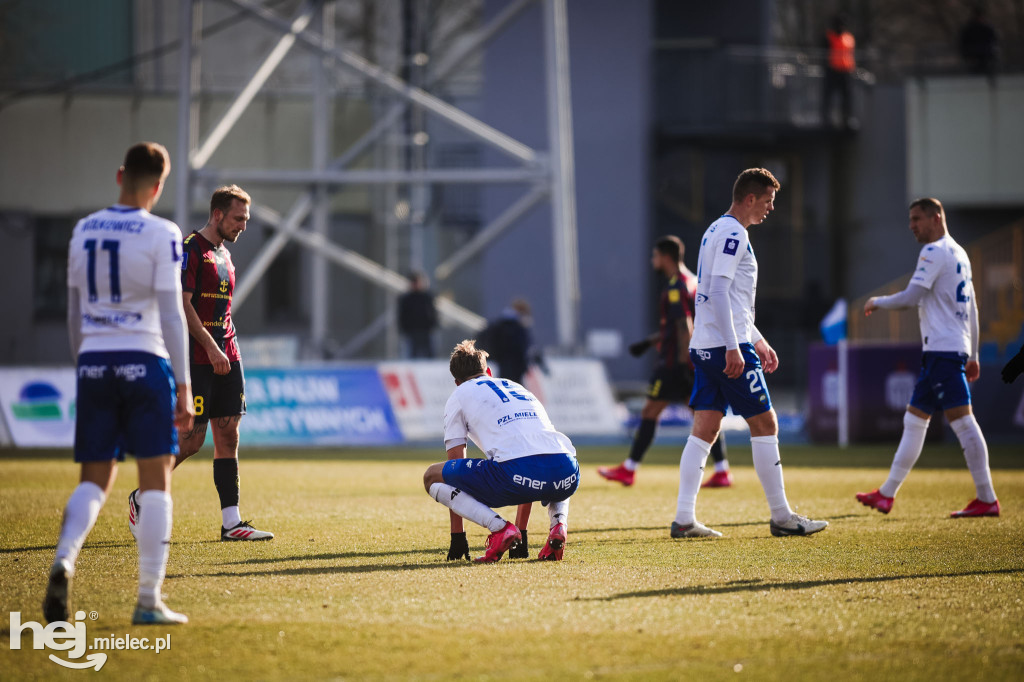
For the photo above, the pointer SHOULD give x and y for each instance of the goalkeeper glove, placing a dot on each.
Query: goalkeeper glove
(639, 348)
(1014, 367)
(520, 550)
(459, 548)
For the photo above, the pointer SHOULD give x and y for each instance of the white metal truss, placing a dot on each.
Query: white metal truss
(547, 174)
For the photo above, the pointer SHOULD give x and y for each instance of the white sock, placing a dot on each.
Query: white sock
(466, 506)
(558, 512)
(976, 453)
(911, 443)
(722, 466)
(230, 516)
(630, 464)
(768, 465)
(80, 515)
(691, 471)
(155, 517)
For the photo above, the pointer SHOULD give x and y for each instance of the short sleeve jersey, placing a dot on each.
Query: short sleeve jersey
(118, 259)
(945, 311)
(725, 251)
(209, 275)
(673, 305)
(504, 419)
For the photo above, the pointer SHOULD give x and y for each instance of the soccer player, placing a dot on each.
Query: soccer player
(728, 354)
(527, 460)
(127, 332)
(672, 380)
(943, 293)
(218, 384)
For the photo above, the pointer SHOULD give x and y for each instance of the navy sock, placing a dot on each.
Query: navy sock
(718, 448)
(225, 477)
(642, 439)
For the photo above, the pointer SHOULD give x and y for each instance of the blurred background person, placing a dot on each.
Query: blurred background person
(509, 341)
(417, 317)
(979, 43)
(839, 67)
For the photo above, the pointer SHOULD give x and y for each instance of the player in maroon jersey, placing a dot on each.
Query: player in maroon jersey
(672, 381)
(218, 383)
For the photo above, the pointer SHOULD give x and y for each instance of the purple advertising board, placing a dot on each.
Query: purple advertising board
(881, 381)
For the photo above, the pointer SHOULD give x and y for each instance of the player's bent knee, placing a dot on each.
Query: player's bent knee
(764, 424)
(433, 474)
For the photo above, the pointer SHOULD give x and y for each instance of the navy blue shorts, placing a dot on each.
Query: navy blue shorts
(712, 390)
(125, 403)
(942, 383)
(544, 478)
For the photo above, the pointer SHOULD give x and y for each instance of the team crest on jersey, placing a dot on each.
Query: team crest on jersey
(731, 245)
(673, 295)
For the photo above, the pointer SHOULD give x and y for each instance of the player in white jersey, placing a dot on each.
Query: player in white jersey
(127, 331)
(728, 354)
(526, 459)
(942, 290)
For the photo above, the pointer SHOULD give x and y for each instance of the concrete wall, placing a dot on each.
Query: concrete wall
(609, 60)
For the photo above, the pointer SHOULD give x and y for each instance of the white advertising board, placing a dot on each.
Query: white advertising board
(575, 392)
(39, 405)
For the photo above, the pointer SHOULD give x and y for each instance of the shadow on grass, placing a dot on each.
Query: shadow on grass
(329, 557)
(762, 586)
(50, 548)
(330, 570)
(665, 526)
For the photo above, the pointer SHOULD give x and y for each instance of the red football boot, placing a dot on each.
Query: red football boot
(977, 508)
(619, 473)
(719, 479)
(552, 550)
(876, 500)
(498, 543)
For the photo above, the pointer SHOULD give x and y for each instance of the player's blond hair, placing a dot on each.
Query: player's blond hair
(224, 196)
(754, 181)
(467, 360)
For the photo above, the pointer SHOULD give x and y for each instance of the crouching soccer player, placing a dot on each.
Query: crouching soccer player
(527, 460)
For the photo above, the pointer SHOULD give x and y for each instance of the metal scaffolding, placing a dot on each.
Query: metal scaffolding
(546, 174)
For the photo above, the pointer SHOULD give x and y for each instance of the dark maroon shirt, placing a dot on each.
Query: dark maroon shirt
(209, 275)
(672, 306)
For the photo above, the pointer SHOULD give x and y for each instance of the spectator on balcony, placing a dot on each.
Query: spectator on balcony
(979, 43)
(839, 67)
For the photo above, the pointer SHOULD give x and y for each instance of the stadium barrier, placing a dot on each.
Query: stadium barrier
(329, 405)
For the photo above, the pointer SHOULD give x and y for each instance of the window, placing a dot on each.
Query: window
(50, 275)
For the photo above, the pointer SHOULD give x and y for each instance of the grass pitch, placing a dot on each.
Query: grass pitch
(356, 586)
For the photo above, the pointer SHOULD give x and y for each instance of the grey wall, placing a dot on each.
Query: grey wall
(609, 58)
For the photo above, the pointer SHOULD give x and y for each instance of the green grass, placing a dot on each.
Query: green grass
(356, 586)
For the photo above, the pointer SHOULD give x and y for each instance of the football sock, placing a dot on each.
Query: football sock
(641, 441)
(691, 471)
(768, 465)
(225, 478)
(976, 453)
(558, 512)
(155, 519)
(630, 464)
(466, 506)
(79, 517)
(909, 449)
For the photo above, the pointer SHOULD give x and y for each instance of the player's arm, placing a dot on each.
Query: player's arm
(972, 369)
(718, 300)
(221, 364)
(172, 325)
(74, 321)
(640, 347)
(769, 359)
(1012, 369)
(684, 330)
(908, 298)
(459, 547)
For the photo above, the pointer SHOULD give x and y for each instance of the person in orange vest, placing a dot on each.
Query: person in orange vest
(839, 67)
